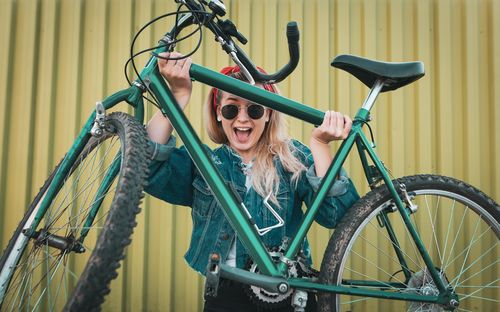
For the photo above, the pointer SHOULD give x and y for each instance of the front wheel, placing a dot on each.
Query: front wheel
(75, 251)
(459, 227)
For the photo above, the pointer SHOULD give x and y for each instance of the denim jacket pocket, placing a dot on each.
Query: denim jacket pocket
(203, 199)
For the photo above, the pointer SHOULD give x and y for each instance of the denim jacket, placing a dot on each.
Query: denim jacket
(175, 179)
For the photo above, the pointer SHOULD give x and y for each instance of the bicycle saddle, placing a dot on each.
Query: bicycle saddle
(395, 75)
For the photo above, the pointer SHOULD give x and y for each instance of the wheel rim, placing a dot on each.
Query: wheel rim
(462, 240)
(45, 276)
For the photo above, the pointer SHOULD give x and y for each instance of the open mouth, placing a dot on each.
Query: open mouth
(242, 133)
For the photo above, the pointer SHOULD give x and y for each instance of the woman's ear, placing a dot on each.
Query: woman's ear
(267, 115)
(218, 113)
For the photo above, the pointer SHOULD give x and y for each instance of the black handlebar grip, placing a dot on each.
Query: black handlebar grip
(292, 32)
(293, 35)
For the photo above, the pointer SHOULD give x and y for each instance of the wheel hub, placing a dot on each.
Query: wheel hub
(65, 244)
(421, 283)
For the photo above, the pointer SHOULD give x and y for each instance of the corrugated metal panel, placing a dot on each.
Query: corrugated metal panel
(59, 57)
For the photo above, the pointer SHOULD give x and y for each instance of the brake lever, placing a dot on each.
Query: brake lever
(230, 29)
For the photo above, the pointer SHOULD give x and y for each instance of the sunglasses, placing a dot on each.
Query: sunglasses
(230, 111)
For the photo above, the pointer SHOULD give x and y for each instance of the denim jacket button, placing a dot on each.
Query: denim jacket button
(225, 236)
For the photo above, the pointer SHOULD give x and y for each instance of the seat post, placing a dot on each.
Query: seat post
(372, 96)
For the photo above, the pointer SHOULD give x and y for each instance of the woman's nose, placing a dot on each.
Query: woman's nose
(242, 114)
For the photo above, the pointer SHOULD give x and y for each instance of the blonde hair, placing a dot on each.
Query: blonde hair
(274, 142)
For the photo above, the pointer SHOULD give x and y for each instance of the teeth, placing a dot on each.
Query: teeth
(243, 129)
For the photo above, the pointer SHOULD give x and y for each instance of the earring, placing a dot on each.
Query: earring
(219, 119)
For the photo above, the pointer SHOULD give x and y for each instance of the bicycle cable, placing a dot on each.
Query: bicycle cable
(393, 178)
(154, 48)
(373, 145)
(369, 128)
(134, 55)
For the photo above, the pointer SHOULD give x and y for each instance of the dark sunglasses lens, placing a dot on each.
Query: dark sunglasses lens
(229, 111)
(255, 111)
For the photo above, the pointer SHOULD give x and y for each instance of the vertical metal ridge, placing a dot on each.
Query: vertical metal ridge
(52, 158)
(495, 97)
(8, 107)
(33, 107)
(490, 94)
(79, 66)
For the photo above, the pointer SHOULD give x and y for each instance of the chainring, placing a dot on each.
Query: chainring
(272, 301)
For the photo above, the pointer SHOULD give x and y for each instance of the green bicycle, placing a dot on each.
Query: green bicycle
(392, 247)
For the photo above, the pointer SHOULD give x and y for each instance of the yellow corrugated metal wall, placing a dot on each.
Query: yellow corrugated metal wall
(58, 57)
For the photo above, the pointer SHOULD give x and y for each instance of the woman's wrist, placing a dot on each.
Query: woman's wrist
(318, 141)
(182, 98)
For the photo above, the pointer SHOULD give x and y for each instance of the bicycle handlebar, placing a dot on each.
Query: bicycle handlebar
(237, 53)
(292, 34)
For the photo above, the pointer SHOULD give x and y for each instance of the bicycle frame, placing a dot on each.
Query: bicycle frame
(272, 274)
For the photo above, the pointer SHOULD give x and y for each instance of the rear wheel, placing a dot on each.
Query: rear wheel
(59, 267)
(459, 226)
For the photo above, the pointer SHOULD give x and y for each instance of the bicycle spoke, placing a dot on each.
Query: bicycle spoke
(373, 263)
(433, 222)
(474, 292)
(60, 281)
(412, 244)
(85, 186)
(84, 212)
(106, 170)
(48, 279)
(452, 216)
(25, 280)
(456, 238)
(464, 296)
(68, 190)
(467, 254)
(357, 300)
(391, 258)
(487, 267)
(370, 278)
(474, 286)
(470, 244)
(401, 250)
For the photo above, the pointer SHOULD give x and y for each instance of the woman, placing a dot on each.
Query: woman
(259, 160)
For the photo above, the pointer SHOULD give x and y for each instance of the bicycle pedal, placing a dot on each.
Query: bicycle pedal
(212, 275)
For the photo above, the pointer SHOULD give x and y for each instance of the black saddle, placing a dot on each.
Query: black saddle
(394, 75)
